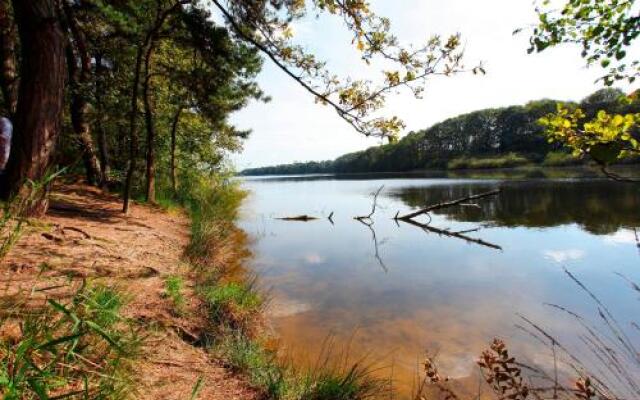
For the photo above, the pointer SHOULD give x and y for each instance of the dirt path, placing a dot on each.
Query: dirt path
(85, 236)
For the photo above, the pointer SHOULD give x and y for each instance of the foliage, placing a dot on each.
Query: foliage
(606, 138)
(79, 349)
(269, 26)
(604, 29)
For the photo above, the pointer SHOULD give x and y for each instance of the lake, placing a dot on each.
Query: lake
(392, 291)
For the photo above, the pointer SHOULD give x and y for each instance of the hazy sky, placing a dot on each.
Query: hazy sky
(293, 128)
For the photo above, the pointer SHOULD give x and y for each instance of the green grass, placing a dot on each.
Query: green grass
(232, 304)
(173, 289)
(509, 160)
(78, 349)
(261, 367)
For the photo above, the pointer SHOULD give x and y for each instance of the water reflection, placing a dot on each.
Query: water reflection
(599, 207)
(438, 292)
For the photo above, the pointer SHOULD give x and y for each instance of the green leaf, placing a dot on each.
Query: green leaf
(104, 334)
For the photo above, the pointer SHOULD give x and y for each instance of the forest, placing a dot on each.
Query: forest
(492, 138)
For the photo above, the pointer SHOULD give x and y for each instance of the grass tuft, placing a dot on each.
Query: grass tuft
(173, 288)
(79, 349)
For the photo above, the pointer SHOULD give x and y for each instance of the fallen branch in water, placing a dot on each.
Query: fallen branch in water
(447, 204)
(444, 232)
(299, 218)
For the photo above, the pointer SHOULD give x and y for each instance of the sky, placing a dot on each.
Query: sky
(292, 127)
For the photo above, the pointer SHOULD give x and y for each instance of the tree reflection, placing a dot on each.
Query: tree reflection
(599, 207)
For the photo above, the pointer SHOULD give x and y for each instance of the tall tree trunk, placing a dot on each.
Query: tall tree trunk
(8, 46)
(174, 134)
(79, 79)
(133, 126)
(151, 130)
(133, 130)
(41, 98)
(102, 134)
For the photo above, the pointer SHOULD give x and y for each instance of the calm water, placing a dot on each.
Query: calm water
(394, 291)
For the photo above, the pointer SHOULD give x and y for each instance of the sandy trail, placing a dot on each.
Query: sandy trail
(85, 236)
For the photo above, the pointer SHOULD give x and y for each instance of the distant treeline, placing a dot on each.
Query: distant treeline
(500, 137)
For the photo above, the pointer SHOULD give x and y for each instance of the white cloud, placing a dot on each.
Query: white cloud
(313, 258)
(561, 256)
(280, 308)
(623, 236)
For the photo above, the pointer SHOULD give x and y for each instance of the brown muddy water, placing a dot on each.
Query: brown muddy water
(393, 291)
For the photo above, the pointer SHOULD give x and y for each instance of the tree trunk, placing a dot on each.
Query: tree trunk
(133, 131)
(102, 135)
(133, 128)
(79, 79)
(151, 130)
(8, 45)
(41, 99)
(174, 134)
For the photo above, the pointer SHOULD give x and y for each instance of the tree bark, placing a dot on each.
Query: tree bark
(8, 46)
(133, 130)
(79, 79)
(41, 99)
(172, 165)
(151, 130)
(105, 167)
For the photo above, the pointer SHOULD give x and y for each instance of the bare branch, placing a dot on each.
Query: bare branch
(616, 177)
(373, 205)
(448, 204)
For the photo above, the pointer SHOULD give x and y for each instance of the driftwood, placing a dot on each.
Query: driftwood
(447, 204)
(299, 218)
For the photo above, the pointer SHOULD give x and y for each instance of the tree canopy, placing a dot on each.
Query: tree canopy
(481, 134)
(153, 82)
